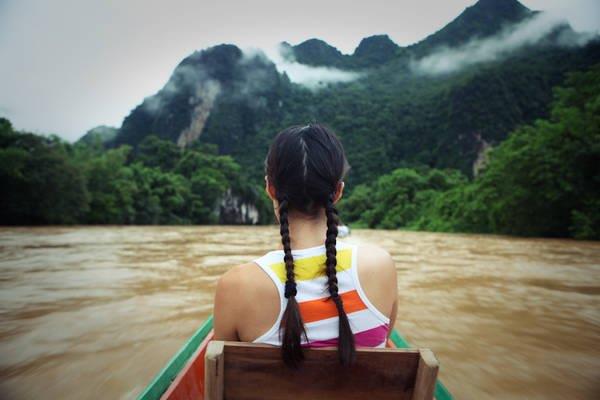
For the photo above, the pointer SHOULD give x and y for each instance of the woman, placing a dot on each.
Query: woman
(315, 290)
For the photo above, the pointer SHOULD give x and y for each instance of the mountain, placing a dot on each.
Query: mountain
(375, 50)
(391, 115)
(484, 19)
(101, 134)
(219, 78)
(316, 52)
(372, 51)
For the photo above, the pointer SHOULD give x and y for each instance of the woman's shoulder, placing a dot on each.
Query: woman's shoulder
(375, 266)
(244, 282)
(374, 258)
(240, 292)
(240, 276)
(377, 275)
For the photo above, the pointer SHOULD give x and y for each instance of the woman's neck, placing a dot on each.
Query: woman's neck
(307, 232)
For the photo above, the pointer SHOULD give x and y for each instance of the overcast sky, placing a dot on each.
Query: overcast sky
(69, 65)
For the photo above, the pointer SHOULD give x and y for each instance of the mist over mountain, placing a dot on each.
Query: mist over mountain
(439, 102)
(484, 19)
(221, 74)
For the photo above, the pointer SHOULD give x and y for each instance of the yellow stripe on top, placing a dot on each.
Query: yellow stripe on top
(309, 268)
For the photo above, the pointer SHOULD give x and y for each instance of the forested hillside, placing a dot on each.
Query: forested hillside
(425, 129)
(544, 180)
(393, 114)
(48, 181)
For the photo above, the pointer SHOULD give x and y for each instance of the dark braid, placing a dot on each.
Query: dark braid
(346, 347)
(291, 322)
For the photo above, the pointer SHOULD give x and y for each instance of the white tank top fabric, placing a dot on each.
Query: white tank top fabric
(369, 325)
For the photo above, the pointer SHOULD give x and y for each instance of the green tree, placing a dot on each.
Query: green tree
(156, 152)
(111, 186)
(544, 180)
(40, 183)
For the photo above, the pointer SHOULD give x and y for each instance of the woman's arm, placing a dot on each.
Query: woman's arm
(379, 280)
(226, 306)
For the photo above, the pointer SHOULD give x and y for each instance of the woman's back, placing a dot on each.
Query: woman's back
(367, 284)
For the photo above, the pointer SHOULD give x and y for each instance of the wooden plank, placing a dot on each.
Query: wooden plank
(257, 372)
(164, 380)
(213, 370)
(426, 375)
(441, 393)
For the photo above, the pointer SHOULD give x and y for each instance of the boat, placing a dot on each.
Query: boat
(183, 376)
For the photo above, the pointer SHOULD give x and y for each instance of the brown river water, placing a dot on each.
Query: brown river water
(95, 312)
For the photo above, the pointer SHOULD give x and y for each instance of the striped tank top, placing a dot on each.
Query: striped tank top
(369, 325)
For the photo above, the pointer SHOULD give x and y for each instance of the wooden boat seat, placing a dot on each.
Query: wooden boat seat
(236, 371)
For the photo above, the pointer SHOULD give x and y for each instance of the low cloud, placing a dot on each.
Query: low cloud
(185, 77)
(513, 37)
(312, 77)
(258, 74)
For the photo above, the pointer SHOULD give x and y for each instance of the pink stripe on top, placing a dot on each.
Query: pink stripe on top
(375, 337)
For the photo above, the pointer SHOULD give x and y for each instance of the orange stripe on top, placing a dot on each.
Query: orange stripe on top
(316, 310)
